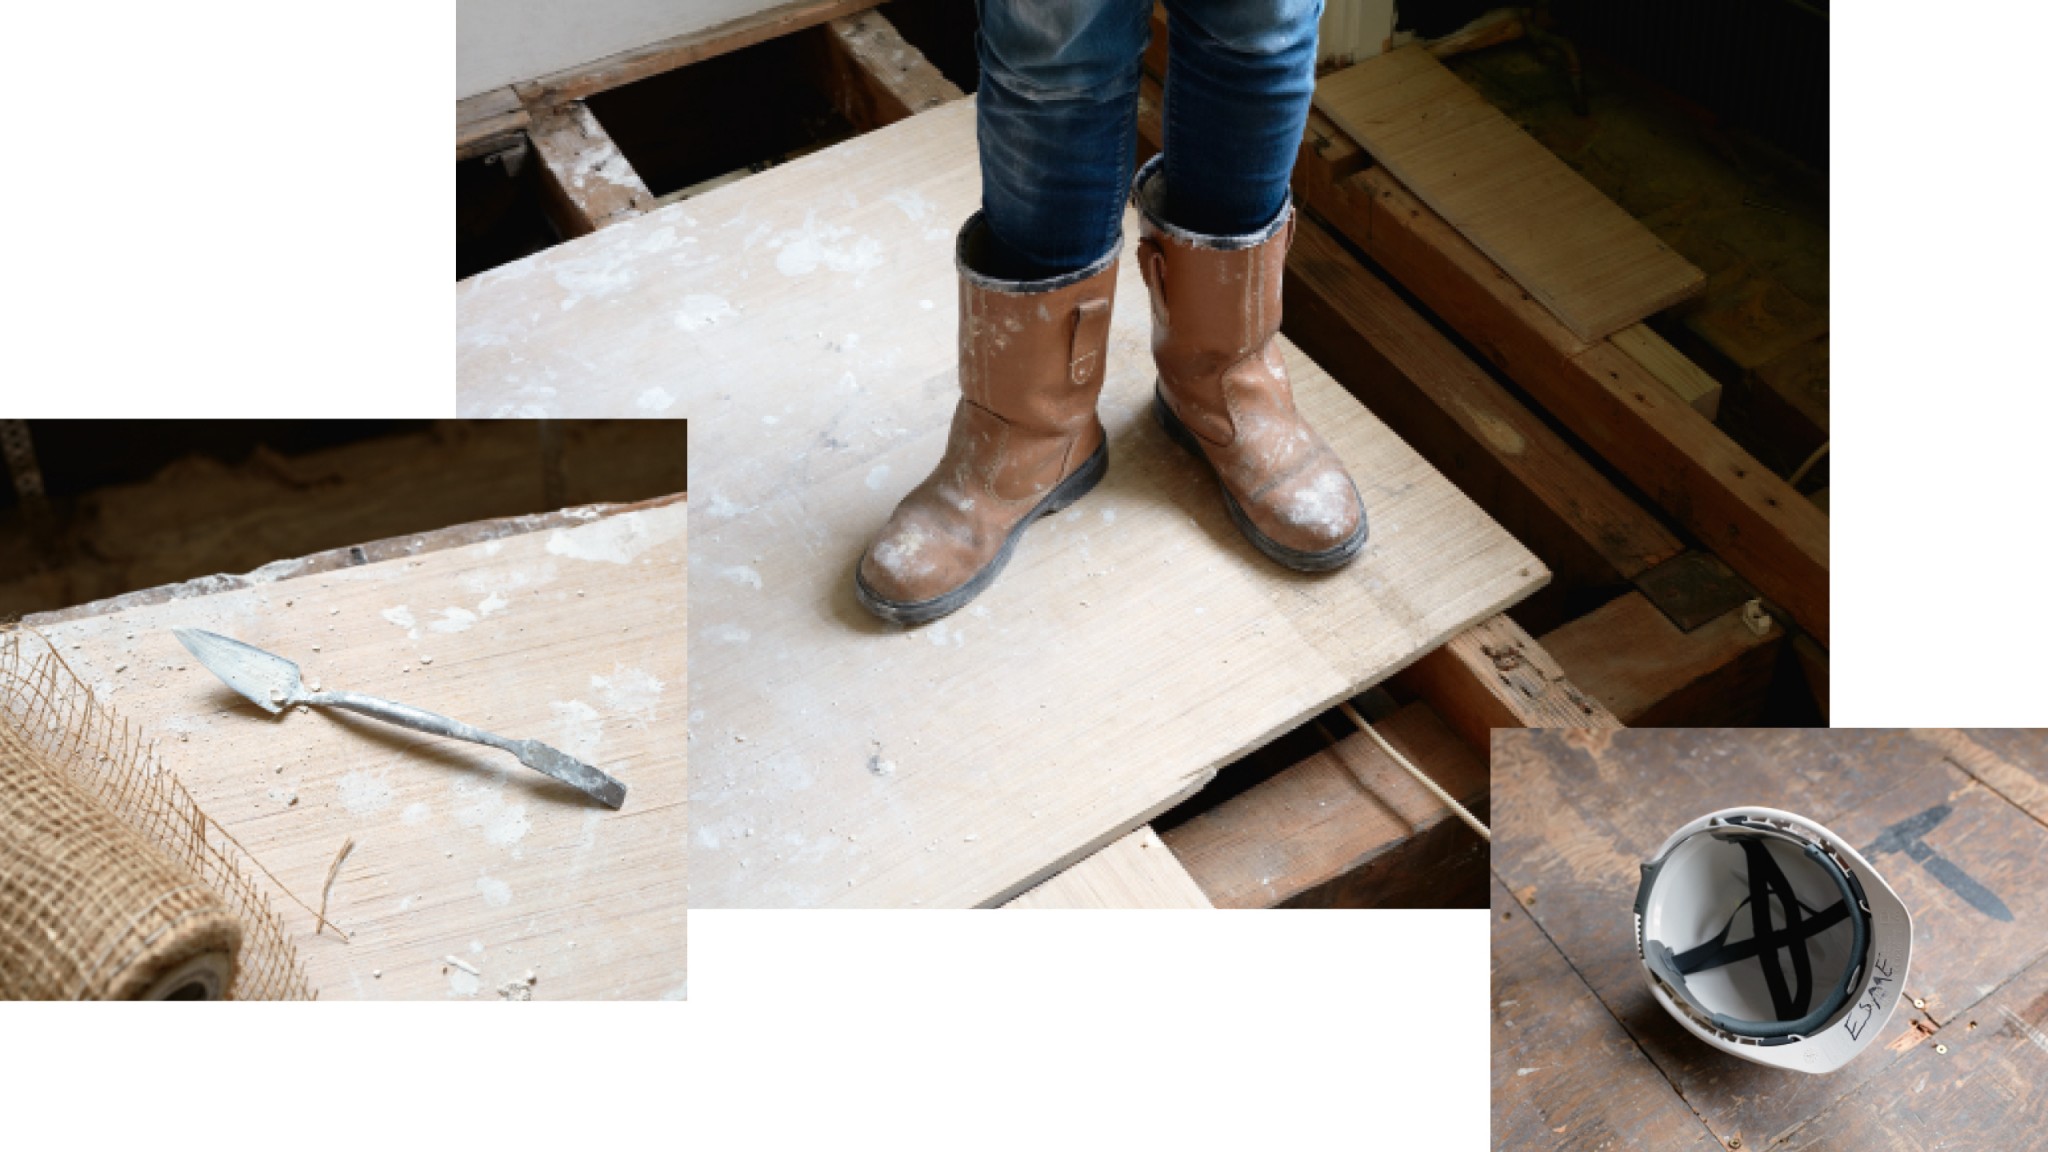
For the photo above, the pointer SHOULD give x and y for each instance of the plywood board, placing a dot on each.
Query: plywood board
(1576, 813)
(571, 635)
(1594, 266)
(804, 320)
(1137, 871)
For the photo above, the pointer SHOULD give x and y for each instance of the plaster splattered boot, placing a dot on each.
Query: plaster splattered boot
(1223, 391)
(1025, 441)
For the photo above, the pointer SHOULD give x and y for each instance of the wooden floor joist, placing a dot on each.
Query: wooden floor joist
(1633, 659)
(1494, 675)
(873, 76)
(1748, 516)
(1700, 391)
(1347, 827)
(590, 184)
(489, 122)
(1137, 871)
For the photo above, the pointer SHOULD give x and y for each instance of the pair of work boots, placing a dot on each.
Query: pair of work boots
(1026, 440)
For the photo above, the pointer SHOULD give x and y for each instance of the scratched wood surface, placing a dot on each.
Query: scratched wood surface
(1576, 813)
(572, 635)
(804, 320)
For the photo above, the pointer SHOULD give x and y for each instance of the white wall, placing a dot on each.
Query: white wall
(1353, 30)
(500, 41)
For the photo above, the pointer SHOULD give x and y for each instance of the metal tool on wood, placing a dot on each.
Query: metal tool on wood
(272, 682)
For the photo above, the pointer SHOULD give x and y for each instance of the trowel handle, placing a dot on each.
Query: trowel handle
(417, 719)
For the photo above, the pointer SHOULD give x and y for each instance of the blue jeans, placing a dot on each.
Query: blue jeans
(1058, 112)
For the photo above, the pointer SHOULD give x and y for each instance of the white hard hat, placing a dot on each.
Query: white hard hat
(1735, 898)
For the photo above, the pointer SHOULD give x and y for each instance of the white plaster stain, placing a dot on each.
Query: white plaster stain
(702, 311)
(453, 620)
(617, 540)
(655, 400)
(363, 793)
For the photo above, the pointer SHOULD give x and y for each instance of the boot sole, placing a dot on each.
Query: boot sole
(1323, 561)
(1066, 492)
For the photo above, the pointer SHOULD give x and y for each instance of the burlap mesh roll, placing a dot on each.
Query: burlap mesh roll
(113, 883)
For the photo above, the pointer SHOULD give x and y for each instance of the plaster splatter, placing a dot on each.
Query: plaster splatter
(416, 813)
(630, 690)
(801, 251)
(700, 312)
(578, 727)
(454, 620)
(362, 793)
(655, 400)
(617, 540)
(878, 476)
(402, 616)
(496, 893)
(740, 574)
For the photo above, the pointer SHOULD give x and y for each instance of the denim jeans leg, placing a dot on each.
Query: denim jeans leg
(1238, 85)
(1056, 124)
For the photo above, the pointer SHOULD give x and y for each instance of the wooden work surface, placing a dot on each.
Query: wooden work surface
(804, 320)
(1583, 1057)
(572, 635)
(1593, 265)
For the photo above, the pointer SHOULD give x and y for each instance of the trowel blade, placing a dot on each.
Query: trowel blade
(269, 681)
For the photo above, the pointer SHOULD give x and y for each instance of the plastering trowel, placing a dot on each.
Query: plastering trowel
(272, 682)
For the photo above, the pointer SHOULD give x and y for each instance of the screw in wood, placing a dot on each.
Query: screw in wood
(1941, 1048)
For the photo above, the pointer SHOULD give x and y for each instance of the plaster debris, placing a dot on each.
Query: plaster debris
(363, 793)
(615, 540)
(630, 690)
(455, 962)
(402, 616)
(496, 893)
(515, 990)
(454, 620)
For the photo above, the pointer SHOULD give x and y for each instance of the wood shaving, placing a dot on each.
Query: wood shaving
(333, 870)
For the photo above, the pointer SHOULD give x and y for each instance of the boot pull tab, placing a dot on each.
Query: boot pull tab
(1152, 267)
(1091, 333)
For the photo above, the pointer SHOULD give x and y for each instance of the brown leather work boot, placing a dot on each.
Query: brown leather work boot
(1025, 442)
(1223, 392)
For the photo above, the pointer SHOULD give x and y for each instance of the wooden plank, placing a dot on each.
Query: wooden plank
(1576, 812)
(873, 76)
(2012, 762)
(1137, 871)
(1566, 1075)
(1319, 834)
(590, 184)
(585, 80)
(489, 122)
(1975, 1083)
(1464, 423)
(1687, 380)
(1133, 646)
(1744, 513)
(1632, 658)
(1494, 675)
(1594, 266)
(572, 635)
